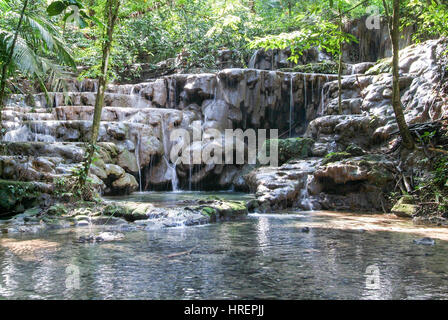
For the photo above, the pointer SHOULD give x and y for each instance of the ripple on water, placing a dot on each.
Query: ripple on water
(264, 256)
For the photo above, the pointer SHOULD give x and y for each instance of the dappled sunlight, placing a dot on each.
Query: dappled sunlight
(28, 250)
(370, 223)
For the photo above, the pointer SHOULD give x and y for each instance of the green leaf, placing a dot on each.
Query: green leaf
(56, 8)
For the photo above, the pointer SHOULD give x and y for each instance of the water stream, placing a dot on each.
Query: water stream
(291, 104)
(261, 257)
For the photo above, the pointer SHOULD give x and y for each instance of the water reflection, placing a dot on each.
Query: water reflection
(264, 256)
(165, 199)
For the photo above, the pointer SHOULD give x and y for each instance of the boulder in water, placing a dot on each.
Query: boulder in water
(425, 241)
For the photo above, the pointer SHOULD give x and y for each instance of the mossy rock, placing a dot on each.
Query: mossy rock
(335, 156)
(291, 148)
(328, 67)
(382, 66)
(355, 150)
(223, 210)
(17, 196)
(208, 211)
(130, 211)
(57, 210)
(405, 207)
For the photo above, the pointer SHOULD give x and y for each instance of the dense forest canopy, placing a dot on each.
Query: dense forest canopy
(151, 31)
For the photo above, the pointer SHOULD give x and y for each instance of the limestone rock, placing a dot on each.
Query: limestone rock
(125, 185)
(127, 161)
(405, 207)
(113, 171)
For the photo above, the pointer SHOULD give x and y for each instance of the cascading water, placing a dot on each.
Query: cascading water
(190, 173)
(137, 98)
(322, 99)
(304, 91)
(253, 60)
(18, 135)
(137, 157)
(305, 201)
(291, 104)
(171, 172)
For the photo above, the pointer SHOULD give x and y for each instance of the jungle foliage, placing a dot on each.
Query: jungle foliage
(150, 31)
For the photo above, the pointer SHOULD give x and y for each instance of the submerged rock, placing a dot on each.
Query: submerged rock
(101, 237)
(425, 241)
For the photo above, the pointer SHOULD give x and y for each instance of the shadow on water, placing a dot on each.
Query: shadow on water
(263, 256)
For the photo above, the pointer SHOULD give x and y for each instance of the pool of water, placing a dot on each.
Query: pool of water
(163, 199)
(261, 257)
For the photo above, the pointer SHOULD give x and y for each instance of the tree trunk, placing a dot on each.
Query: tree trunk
(340, 64)
(394, 30)
(8, 60)
(112, 8)
(251, 4)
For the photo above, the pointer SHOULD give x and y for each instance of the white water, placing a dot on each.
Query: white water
(171, 172)
(312, 88)
(305, 201)
(291, 104)
(137, 98)
(322, 99)
(304, 89)
(252, 60)
(137, 157)
(18, 135)
(190, 173)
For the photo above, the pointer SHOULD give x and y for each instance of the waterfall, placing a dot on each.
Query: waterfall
(291, 104)
(304, 89)
(253, 60)
(322, 98)
(171, 168)
(305, 201)
(312, 89)
(137, 98)
(172, 174)
(333, 147)
(322, 102)
(17, 135)
(137, 157)
(190, 173)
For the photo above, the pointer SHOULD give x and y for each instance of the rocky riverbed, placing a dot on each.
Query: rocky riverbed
(123, 215)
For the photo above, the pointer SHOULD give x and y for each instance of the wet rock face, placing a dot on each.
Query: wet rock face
(351, 177)
(17, 196)
(368, 118)
(292, 148)
(138, 120)
(283, 187)
(373, 44)
(356, 183)
(278, 59)
(41, 144)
